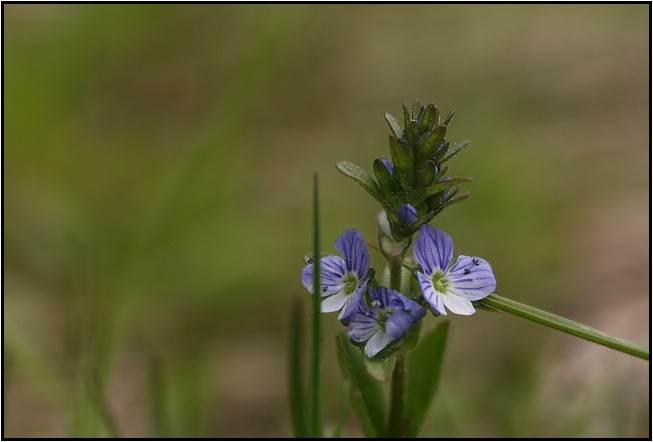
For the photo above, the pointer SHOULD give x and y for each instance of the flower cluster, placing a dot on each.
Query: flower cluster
(412, 187)
(379, 317)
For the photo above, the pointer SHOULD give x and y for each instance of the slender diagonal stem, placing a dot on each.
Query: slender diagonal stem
(566, 325)
(396, 428)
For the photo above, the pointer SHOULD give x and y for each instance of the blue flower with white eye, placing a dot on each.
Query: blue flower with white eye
(446, 285)
(343, 280)
(387, 318)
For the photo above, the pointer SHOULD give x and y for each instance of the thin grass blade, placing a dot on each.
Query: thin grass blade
(295, 371)
(315, 384)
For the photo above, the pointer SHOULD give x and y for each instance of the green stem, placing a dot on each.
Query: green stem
(315, 390)
(396, 429)
(566, 325)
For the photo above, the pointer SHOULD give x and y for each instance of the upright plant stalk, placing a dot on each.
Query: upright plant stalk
(315, 387)
(398, 389)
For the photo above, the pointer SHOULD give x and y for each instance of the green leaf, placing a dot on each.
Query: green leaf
(424, 174)
(295, 372)
(361, 177)
(409, 126)
(448, 118)
(396, 129)
(438, 187)
(429, 119)
(403, 162)
(566, 325)
(417, 110)
(367, 396)
(380, 369)
(452, 151)
(429, 146)
(424, 367)
(384, 178)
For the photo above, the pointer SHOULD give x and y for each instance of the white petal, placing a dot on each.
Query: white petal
(457, 304)
(377, 342)
(471, 278)
(333, 303)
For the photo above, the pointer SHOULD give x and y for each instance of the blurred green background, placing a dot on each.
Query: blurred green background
(157, 170)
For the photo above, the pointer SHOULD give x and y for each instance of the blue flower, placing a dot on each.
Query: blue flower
(387, 318)
(408, 214)
(343, 280)
(445, 285)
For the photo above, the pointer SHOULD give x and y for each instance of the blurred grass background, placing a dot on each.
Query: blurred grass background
(157, 170)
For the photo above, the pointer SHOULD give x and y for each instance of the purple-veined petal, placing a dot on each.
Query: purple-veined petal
(332, 269)
(333, 303)
(471, 278)
(457, 304)
(361, 327)
(433, 249)
(381, 295)
(376, 343)
(433, 297)
(408, 214)
(413, 308)
(352, 246)
(398, 325)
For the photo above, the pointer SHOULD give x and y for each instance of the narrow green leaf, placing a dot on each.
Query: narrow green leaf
(438, 187)
(429, 119)
(429, 145)
(396, 129)
(417, 110)
(409, 126)
(315, 384)
(424, 367)
(452, 151)
(565, 325)
(295, 372)
(424, 174)
(345, 402)
(367, 395)
(361, 177)
(403, 162)
(384, 178)
(448, 118)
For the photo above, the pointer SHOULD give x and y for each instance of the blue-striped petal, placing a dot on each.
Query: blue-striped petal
(352, 246)
(432, 296)
(332, 269)
(433, 249)
(471, 278)
(361, 327)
